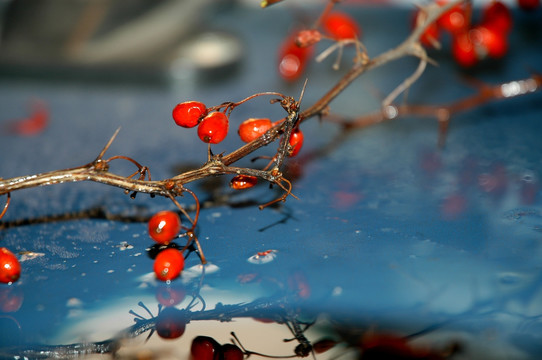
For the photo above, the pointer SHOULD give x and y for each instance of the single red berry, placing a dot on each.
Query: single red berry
(293, 59)
(308, 37)
(463, 50)
(168, 264)
(231, 352)
(10, 268)
(213, 128)
(431, 35)
(171, 323)
(296, 142)
(529, 5)
(252, 129)
(489, 41)
(341, 26)
(189, 113)
(241, 182)
(454, 20)
(497, 16)
(164, 226)
(204, 348)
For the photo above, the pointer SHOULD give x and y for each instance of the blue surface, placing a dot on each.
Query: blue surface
(388, 228)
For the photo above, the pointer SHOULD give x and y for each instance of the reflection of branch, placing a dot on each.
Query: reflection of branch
(270, 308)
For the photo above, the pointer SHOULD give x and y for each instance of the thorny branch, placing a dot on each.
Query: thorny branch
(140, 181)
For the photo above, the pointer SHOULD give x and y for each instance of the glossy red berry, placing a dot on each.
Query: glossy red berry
(171, 323)
(189, 113)
(10, 268)
(168, 264)
(497, 16)
(489, 41)
(341, 26)
(253, 128)
(296, 142)
(164, 226)
(454, 20)
(241, 182)
(293, 59)
(204, 348)
(213, 128)
(231, 352)
(463, 50)
(529, 5)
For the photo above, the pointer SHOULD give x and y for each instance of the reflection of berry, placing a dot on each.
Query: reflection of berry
(231, 352)
(213, 128)
(10, 268)
(168, 264)
(204, 348)
(170, 323)
(164, 226)
(168, 296)
(189, 113)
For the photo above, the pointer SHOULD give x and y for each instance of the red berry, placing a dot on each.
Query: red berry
(296, 142)
(168, 264)
(10, 268)
(189, 113)
(454, 20)
(293, 59)
(463, 50)
(489, 41)
(164, 226)
(252, 129)
(529, 5)
(231, 352)
(497, 16)
(204, 348)
(213, 128)
(171, 323)
(341, 26)
(241, 182)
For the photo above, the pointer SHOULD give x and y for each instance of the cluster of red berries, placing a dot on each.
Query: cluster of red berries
(297, 49)
(212, 126)
(472, 43)
(207, 348)
(164, 227)
(10, 268)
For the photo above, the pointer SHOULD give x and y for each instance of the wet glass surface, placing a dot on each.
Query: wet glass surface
(393, 240)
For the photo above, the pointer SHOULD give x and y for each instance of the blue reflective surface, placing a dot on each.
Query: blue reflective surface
(390, 231)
